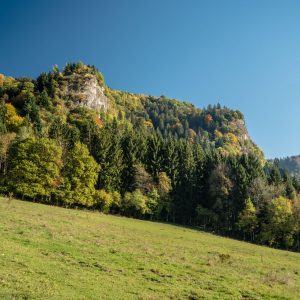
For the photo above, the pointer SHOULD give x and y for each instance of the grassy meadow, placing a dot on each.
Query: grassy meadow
(55, 253)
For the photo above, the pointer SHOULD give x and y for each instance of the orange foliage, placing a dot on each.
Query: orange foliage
(98, 121)
(208, 119)
(176, 125)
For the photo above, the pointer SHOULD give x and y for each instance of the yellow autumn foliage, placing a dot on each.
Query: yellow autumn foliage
(1, 79)
(12, 119)
(148, 123)
(218, 134)
(230, 137)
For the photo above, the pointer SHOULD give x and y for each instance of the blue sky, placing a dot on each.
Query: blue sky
(243, 54)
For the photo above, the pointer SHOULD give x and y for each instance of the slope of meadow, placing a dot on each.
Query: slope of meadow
(55, 253)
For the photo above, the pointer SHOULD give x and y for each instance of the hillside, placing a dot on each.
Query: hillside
(56, 253)
(61, 93)
(67, 139)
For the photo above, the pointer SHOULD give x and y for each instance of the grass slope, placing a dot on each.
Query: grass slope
(54, 253)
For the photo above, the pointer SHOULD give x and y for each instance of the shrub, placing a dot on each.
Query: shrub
(103, 200)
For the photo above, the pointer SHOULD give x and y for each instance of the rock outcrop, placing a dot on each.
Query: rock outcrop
(84, 90)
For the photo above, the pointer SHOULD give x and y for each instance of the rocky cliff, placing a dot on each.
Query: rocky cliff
(84, 90)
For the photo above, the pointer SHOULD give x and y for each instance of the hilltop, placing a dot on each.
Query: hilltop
(61, 93)
(50, 252)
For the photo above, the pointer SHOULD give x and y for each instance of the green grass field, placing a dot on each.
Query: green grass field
(55, 253)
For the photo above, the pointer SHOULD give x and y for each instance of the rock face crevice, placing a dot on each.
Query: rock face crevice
(85, 91)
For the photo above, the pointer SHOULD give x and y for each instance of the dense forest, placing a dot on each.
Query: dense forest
(68, 139)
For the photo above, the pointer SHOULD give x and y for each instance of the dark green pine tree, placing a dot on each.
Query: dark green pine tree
(171, 159)
(107, 149)
(129, 147)
(184, 190)
(44, 99)
(274, 176)
(290, 192)
(199, 157)
(32, 113)
(154, 154)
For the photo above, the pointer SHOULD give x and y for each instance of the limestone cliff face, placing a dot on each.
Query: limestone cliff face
(84, 90)
(241, 129)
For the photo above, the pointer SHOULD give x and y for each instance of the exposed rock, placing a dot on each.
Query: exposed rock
(84, 90)
(241, 129)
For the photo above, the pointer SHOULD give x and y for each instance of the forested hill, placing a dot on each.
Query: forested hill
(213, 127)
(291, 164)
(62, 94)
(68, 139)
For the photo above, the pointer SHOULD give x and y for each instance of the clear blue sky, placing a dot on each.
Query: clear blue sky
(243, 54)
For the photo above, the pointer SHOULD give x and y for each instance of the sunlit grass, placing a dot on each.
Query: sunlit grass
(54, 253)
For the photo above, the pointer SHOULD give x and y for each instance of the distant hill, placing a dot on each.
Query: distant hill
(291, 164)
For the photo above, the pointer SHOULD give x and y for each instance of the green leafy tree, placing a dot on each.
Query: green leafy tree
(116, 202)
(152, 202)
(247, 221)
(135, 204)
(279, 227)
(34, 169)
(80, 174)
(103, 200)
(164, 187)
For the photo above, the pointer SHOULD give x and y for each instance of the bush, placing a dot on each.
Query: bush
(135, 203)
(103, 200)
(116, 202)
